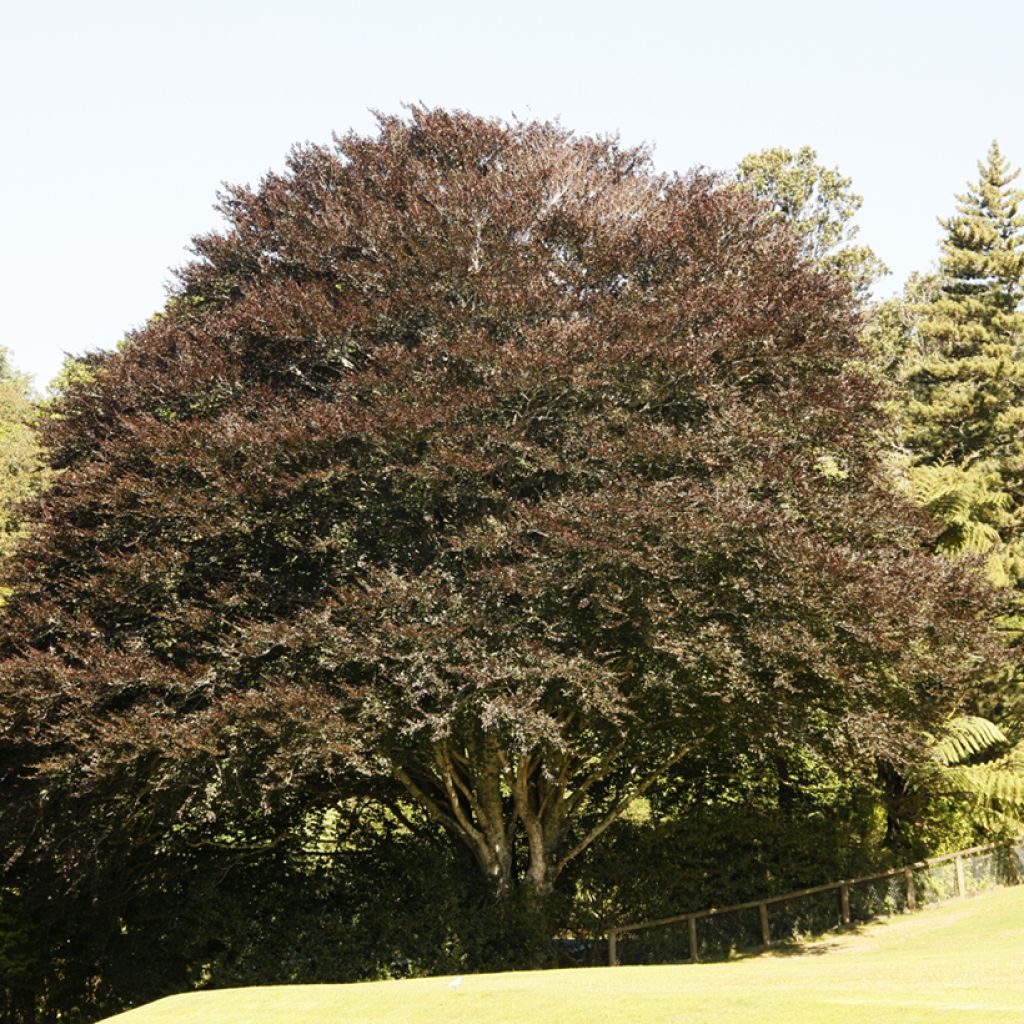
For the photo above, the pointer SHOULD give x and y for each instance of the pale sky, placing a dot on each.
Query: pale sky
(121, 119)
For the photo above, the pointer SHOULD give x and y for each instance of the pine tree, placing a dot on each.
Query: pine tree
(966, 383)
(963, 400)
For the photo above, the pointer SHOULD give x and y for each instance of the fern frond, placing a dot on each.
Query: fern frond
(996, 822)
(971, 762)
(973, 510)
(967, 737)
(987, 786)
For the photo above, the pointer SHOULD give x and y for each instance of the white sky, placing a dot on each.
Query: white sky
(120, 119)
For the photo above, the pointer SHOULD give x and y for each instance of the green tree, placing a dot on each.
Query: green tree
(20, 479)
(974, 512)
(20, 464)
(965, 383)
(975, 761)
(818, 202)
(483, 466)
(960, 399)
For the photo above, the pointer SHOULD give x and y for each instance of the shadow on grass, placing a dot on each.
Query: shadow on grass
(818, 945)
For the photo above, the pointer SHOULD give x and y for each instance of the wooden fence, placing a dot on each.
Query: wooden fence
(905, 877)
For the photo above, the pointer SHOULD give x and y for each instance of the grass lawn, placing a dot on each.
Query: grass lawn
(962, 962)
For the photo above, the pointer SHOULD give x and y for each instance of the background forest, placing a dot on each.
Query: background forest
(493, 540)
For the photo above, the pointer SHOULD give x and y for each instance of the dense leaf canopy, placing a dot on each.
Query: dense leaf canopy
(819, 204)
(481, 460)
(20, 470)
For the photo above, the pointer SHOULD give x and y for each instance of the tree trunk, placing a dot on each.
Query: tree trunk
(483, 798)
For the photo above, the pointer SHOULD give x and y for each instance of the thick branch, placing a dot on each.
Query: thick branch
(490, 793)
(446, 763)
(431, 806)
(449, 777)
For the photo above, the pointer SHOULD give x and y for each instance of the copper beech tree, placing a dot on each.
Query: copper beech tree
(480, 463)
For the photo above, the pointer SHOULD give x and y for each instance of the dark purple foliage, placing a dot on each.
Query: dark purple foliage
(481, 460)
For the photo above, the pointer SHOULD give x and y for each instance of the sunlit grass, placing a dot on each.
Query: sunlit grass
(961, 962)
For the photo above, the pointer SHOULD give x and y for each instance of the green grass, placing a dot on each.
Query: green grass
(961, 962)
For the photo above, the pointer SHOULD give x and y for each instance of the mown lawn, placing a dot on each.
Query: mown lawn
(960, 962)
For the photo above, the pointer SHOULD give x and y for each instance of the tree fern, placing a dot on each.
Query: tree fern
(971, 761)
(974, 513)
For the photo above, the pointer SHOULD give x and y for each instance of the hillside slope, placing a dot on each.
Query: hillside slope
(961, 962)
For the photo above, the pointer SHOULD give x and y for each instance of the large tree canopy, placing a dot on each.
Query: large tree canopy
(482, 460)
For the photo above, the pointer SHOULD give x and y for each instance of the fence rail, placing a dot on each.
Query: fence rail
(953, 875)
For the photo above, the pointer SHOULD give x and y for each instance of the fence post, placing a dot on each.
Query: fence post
(1016, 851)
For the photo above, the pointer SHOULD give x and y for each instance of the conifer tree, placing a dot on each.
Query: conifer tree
(963, 400)
(966, 382)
